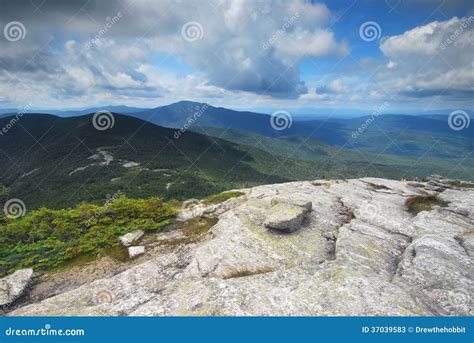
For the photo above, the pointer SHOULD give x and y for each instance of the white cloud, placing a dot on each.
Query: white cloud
(230, 57)
(433, 59)
(250, 54)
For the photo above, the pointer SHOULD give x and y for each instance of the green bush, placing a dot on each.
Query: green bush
(221, 197)
(47, 238)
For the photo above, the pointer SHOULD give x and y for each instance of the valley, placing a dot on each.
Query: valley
(54, 161)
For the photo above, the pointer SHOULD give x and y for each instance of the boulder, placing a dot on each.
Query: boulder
(136, 251)
(131, 237)
(285, 217)
(14, 285)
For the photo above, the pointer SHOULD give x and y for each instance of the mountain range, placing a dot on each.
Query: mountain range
(418, 132)
(190, 150)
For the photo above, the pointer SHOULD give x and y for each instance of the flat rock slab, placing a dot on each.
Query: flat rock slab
(14, 285)
(285, 217)
(136, 251)
(131, 237)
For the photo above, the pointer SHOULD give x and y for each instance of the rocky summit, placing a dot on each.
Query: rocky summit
(362, 247)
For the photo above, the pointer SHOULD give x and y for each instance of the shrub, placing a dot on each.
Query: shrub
(47, 238)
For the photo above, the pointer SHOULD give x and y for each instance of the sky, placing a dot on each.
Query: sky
(302, 56)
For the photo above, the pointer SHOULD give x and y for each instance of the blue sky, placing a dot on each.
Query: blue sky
(295, 55)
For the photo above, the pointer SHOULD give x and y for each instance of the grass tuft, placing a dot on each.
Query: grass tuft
(233, 273)
(461, 184)
(418, 203)
(221, 197)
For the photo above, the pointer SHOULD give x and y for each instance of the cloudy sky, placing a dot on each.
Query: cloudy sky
(245, 54)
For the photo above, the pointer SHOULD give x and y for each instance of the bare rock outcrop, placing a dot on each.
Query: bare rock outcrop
(359, 251)
(14, 285)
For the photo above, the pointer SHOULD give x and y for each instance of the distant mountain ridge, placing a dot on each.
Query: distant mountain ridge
(65, 160)
(299, 114)
(179, 114)
(369, 132)
(403, 135)
(70, 113)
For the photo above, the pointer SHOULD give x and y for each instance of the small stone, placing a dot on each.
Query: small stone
(136, 251)
(14, 285)
(131, 237)
(285, 217)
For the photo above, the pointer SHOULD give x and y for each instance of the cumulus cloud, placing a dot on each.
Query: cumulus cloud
(248, 46)
(244, 46)
(246, 51)
(433, 59)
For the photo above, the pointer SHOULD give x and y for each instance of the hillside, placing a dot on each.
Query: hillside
(450, 157)
(59, 162)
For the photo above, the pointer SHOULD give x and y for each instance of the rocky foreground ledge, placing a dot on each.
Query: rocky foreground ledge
(302, 248)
